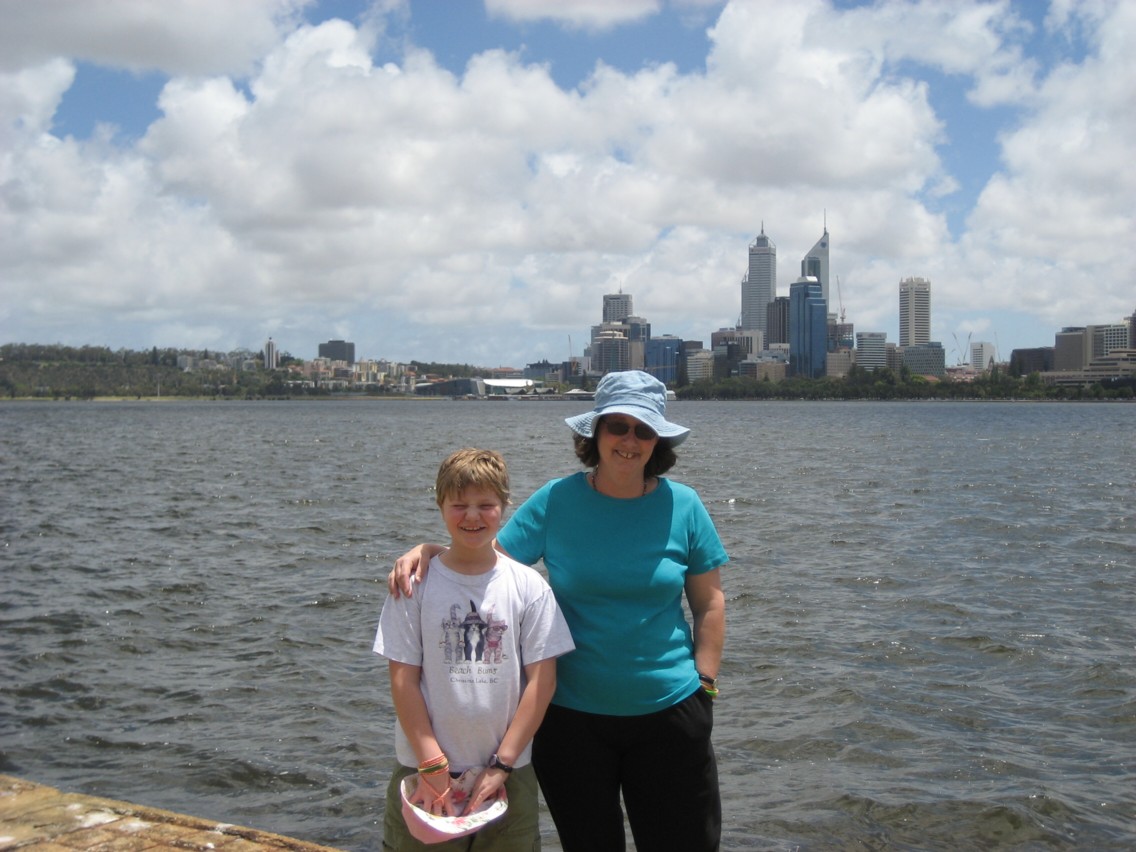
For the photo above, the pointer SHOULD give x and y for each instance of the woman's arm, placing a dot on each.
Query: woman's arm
(411, 566)
(708, 606)
(433, 792)
(534, 702)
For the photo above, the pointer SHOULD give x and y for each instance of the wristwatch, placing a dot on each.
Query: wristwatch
(495, 763)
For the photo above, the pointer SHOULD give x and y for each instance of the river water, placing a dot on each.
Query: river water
(932, 609)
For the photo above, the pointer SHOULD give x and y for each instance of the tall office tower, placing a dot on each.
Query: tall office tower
(914, 311)
(662, 358)
(1132, 331)
(759, 284)
(616, 307)
(777, 321)
(808, 327)
(815, 264)
(871, 350)
(271, 355)
(638, 332)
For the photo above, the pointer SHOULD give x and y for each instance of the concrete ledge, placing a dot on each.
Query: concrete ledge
(43, 819)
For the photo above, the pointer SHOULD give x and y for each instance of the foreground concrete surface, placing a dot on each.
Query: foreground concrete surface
(42, 819)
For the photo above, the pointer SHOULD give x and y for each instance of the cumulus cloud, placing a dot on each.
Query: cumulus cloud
(585, 14)
(174, 36)
(294, 185)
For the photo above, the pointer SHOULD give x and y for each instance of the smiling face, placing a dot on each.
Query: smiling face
(629, 450)
(472, 517)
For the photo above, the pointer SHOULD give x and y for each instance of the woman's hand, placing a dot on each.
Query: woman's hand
(411, 568)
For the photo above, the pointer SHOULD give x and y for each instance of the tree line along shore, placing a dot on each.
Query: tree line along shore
(87, 373)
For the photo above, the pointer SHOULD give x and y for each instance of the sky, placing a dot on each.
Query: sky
(463, 180)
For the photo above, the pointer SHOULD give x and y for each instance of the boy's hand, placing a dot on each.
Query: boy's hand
(486, 788)
(431, 800)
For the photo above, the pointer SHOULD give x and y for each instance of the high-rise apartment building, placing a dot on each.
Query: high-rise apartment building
(808, 327)
(759, 284)
(914, 311)
(815, 264)
(271, 355)
(616, 307)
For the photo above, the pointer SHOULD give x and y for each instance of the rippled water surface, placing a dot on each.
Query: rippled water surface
(932, 609)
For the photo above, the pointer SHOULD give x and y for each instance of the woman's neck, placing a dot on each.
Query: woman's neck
(622, 486)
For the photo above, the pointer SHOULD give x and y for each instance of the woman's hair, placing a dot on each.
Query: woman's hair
(469, 466)
(662, 459)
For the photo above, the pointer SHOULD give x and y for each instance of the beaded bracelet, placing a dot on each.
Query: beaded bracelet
(434, 766)
(438, 799)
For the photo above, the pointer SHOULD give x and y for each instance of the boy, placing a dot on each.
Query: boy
(472, 659)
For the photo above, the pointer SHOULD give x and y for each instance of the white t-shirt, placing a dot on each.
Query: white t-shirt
(472, 636)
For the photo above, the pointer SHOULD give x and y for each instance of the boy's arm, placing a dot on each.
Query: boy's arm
(534, 702)
(433, 791)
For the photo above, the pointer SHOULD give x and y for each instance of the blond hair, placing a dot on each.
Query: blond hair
(471, 466)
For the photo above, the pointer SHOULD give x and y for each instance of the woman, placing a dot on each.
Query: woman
(632, 712)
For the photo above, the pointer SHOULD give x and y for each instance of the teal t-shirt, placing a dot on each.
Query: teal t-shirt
(618, 569)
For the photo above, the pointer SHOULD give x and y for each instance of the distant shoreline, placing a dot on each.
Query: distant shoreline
(156, 400)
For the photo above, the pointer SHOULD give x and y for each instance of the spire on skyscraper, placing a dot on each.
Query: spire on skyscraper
(815, 263)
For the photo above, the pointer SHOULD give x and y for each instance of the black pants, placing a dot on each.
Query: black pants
(663, 763)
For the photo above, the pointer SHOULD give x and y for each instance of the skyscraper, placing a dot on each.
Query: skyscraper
(808, 329)
(616, 306)
(815, 264)
(271, 355)
(759, 284)
(914, 311)
(777, 321)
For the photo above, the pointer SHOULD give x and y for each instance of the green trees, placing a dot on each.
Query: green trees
(885, 384)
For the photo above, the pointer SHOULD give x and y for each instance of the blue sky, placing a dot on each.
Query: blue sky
(464, 180)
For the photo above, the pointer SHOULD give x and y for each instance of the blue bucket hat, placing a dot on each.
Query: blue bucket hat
(637, 394)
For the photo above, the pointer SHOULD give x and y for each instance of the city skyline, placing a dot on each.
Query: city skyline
(465, 181)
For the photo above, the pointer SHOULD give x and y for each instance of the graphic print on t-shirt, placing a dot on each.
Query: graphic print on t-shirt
(472, 638)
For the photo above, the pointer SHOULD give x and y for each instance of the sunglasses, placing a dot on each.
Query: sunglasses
(619, 428)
